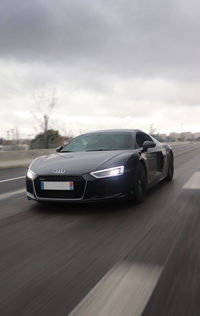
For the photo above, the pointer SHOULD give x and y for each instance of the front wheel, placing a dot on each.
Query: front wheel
(170, 172)
(140, 184)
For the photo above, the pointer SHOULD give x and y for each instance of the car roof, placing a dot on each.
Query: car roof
(114, 131)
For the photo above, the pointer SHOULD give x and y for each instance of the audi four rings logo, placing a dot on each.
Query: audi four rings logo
(59, 171)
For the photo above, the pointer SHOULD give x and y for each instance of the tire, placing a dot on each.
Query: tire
(140, 184)
(170, 172)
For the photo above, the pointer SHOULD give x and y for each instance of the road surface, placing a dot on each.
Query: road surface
(103, 259)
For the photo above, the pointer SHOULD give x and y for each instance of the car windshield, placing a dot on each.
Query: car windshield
(101, 142)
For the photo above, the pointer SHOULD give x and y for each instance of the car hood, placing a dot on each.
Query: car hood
(79, 163)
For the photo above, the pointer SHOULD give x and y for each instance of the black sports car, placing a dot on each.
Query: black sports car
(101, 165)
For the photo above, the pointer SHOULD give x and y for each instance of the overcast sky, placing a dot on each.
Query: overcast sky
(112, 63)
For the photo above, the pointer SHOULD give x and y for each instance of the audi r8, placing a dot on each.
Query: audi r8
(101, 165)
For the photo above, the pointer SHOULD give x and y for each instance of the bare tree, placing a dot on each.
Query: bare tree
(44, 105)
(152, 130)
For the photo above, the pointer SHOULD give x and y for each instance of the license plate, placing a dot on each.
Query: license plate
(53, 185)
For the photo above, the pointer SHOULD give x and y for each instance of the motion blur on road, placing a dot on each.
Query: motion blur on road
(103, 259)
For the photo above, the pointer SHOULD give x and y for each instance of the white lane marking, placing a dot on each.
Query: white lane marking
(12, 179)
(193, 182)
(124, 290)
(10, 194)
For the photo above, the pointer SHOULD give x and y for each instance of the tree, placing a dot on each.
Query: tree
(152, 130)
(52, 136)
(44, 105)
(54, 140)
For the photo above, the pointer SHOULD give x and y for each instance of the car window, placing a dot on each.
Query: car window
(101, 141)
(141, 138)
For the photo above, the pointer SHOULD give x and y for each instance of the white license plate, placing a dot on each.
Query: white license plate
(53, 185)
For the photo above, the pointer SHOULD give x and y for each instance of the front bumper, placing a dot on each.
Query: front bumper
(92, 189)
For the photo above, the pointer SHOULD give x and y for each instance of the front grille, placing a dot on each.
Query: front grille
(77, 193)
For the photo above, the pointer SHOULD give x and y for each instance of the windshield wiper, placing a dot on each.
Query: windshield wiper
(100, 149)
(72, 151)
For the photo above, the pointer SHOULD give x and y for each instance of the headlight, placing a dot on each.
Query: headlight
(111, 172)
(30, 174)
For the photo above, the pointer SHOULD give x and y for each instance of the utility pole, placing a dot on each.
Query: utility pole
(46, 121)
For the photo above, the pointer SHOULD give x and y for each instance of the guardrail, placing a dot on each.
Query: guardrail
(21, 158)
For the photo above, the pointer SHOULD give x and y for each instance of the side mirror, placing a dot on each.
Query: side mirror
(58, 149)
(148, 144)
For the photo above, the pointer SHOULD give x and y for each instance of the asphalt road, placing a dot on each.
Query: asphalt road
(103, 259)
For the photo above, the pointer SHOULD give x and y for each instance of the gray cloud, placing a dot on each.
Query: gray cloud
(111, 61)
(141, 37)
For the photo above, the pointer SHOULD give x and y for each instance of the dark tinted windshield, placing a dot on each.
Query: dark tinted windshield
(101, 141)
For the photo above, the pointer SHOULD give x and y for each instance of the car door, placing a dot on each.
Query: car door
(153, 156)
(162, 160)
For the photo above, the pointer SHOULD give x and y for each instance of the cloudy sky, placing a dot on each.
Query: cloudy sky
(110, 63)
